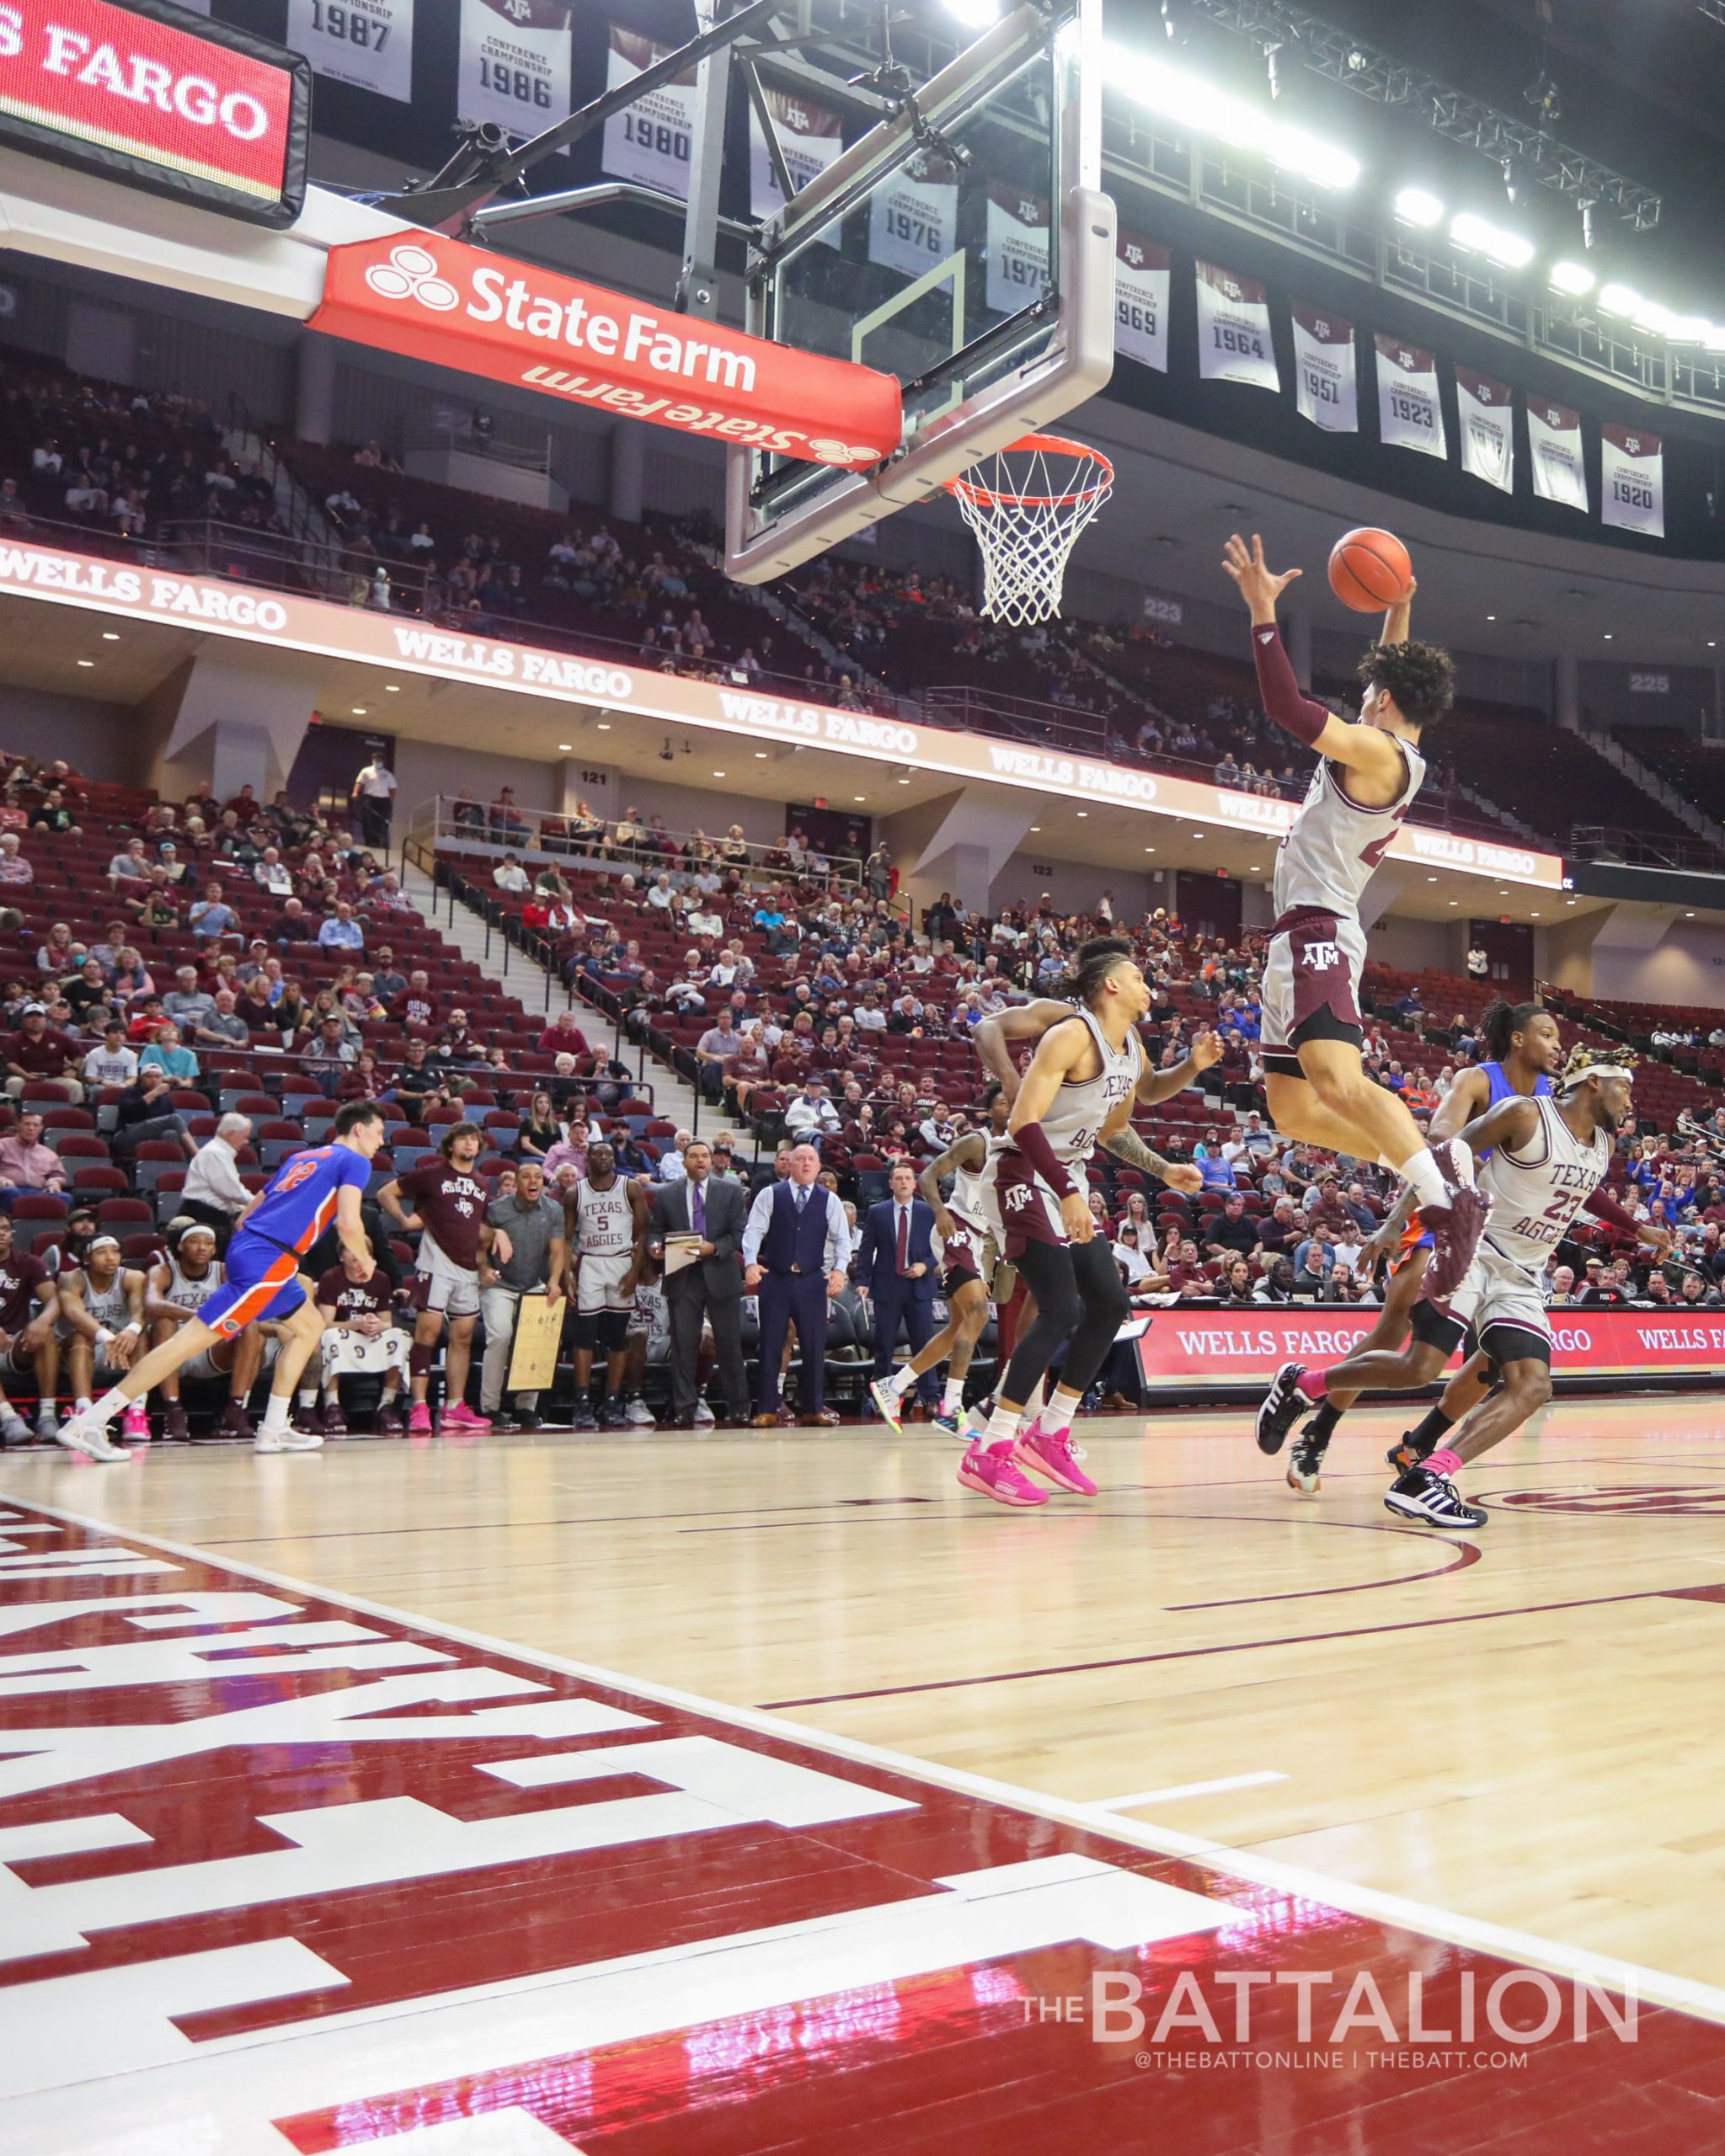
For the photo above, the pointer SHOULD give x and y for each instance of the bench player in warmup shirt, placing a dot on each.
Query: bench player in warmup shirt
(1541, 1162)
(1087, 1074)
(29, 1338)
(1369, 771)
(971, 1275)
(175, 1291)
(102, 1326)
(360, 1334)
(606, 1218)
(1523, 1047)
(263, 1283)
(448, 1202)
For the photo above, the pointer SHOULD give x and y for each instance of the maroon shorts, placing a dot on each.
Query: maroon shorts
(968, 1254)
(1029, 1211)
(1311, 987)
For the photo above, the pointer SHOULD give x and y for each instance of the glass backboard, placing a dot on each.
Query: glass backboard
(964, 247)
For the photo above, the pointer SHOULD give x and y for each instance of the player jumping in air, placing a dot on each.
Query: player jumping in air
(1541, 1162)
(1523, 1047)
(1369, 771)
(264, 1282)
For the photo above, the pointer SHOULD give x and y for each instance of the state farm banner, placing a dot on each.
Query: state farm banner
(367, 43)
(1234, 340)
(1409, 415)
(1632, 479)
(1018, 248)
(1324, 384)
(1485, 411)
(1198, 1350)
(1141, 300)
(810, 136)
(649, 142)
(1554, 443)
(514, 63)
(913, 222)
(440, 300)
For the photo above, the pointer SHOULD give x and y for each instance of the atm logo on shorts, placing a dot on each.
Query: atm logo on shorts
(1321, 956)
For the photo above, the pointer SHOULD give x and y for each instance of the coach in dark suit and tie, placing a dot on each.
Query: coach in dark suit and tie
(711, 1288)
(895, 1270)
(797, 1248)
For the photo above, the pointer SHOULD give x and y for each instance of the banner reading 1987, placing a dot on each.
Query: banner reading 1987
(368, 44)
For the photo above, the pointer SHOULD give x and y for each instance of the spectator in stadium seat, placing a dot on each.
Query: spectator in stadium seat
(111, 1062)
(509, 875)
(340, 931)
(224, 1025)
(211, 915)
(387, 978)
(293, 924)
(186, 1003)
(214, 1193)
(564, 1037)
(570, 1150)
(14, 868)
(1314, 1260)
(1229, 1231)
(811, 1116)
(132, 866)
(27, 1166)
(417, 1008)
(166, 1052)
(40, 1050)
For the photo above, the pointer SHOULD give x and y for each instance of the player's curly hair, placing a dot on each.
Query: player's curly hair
(1091, 965)
(1419, 677)
(1584, 1060)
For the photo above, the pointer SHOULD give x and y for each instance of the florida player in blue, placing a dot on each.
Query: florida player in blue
(264, 1282)
(1522, 1048)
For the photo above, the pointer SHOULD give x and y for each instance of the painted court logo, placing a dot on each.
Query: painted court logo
(411, 274)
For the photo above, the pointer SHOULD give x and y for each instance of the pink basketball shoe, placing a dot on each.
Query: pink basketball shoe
(993, 1475)
(1054, 1455)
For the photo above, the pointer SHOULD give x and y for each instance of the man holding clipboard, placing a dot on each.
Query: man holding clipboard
(521, 1298)
(696, 1231)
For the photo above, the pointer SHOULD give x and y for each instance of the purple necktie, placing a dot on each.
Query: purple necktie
(697, 1212)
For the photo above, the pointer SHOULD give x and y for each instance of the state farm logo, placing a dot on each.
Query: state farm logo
(411, 274)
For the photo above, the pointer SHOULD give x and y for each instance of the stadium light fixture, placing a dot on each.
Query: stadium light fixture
(1198, 108)
(1620, 299)
(1571, 277)
(1508, 250)
(975, 14)
(1418, 205)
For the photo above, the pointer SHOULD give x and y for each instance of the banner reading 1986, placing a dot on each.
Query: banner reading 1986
(514, 63)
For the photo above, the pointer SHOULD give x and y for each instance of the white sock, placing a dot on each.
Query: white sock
(275, 1416)
(81, 1405)
(951, 1397)
(104, 1411)
(1002, 1426)
(1423, 1172)
(898, 1381)
(1056, 1418)
(1038, 1397)
(308, 1399)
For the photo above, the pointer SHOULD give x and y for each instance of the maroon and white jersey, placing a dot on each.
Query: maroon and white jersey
(1334, 845)
(1537, 1193)
(352, 1299)
(21, 1277)
(1071, 1125)
(452, 1207)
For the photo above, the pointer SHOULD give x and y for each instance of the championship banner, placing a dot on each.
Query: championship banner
(1324, 382)
(1016, 249)
(368, 43)
(1554, 440)
(440, 300)
(532, 1366)
(515, 64)
(1141, 301)
(1632, 480)
(912, 223)
(810, 136)
(1486, 413)
(1409, 413)
(1234, 341)
(649, 142)
(1208, 1351)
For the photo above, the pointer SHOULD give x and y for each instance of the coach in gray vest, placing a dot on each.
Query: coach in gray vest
(796, 1247)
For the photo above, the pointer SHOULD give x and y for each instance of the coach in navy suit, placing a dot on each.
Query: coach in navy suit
(796, 1252)
(895, 1269)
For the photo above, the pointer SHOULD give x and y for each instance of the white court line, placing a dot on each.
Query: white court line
(1184, 1789)
(1524, 1949)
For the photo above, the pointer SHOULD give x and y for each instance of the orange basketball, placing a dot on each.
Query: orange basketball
(1370, 570)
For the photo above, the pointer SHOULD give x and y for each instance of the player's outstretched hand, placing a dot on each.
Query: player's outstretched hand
(1206, 1050)
(1259, 587)
(1188, 1180)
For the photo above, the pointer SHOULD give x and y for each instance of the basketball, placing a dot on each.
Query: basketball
(1370, 570)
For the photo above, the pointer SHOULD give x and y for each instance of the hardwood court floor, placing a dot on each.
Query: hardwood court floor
(1522, 1728)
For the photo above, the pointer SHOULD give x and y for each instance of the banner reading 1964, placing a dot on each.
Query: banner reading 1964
(1234, 341)
(367, 43)
(514, 63)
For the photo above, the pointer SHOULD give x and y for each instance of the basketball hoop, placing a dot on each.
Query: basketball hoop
(1026, 505)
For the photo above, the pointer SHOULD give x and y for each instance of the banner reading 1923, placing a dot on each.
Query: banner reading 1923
(514, 63)
(367, 43)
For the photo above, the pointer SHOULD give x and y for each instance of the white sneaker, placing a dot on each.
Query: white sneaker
(704, 1416)
(287, 1440)
(77, 1435)
(14, 1430)
(638, 1415)
(47, 1426)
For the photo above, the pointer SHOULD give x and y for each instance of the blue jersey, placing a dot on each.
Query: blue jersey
(1497, 1079)
(299, 1202)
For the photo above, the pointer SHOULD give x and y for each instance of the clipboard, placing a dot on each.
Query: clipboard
(532, 1366)
(681, 1251)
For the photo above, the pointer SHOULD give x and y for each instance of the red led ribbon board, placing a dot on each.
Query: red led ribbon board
(460, 306)
(147, 95)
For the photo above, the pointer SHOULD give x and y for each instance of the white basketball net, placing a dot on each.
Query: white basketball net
(1027, 505)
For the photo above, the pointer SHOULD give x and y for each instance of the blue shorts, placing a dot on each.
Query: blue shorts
(262, 1281)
